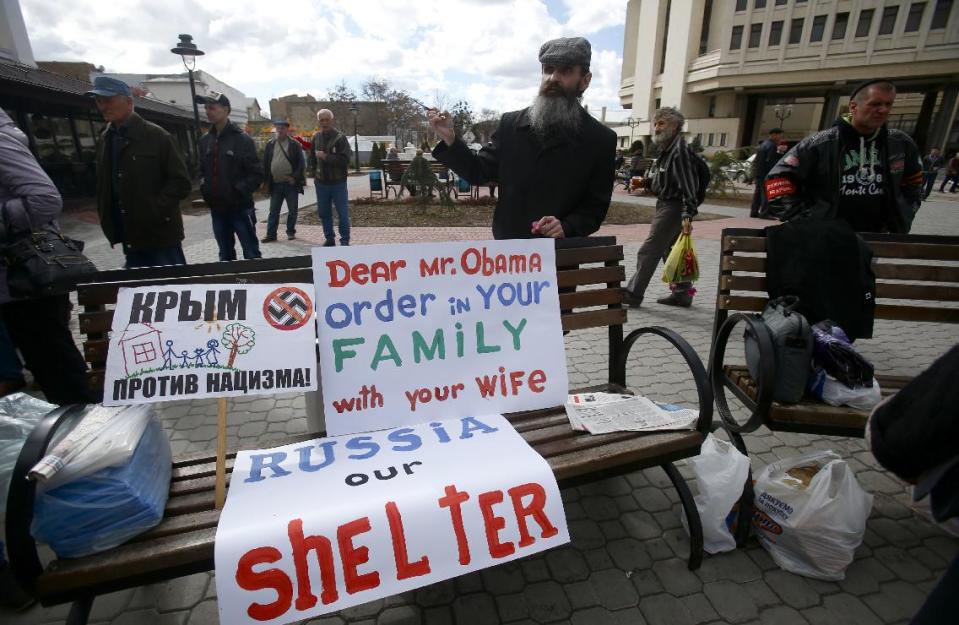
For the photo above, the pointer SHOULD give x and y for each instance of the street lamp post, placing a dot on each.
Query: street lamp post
(632, 122)
(356, 149)
(188, 52)
(782, 112)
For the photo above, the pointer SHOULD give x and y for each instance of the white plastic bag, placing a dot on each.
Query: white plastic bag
(835, 393)
(720, 471)
(810, 514)
(105, 437)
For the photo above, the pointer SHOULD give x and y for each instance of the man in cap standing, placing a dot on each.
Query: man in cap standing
(231, 172)
(766, 156)
(554, 163)
(141, 179)
(858, 170)
(284, 166)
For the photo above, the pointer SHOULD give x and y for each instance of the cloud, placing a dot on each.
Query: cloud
(483, 51)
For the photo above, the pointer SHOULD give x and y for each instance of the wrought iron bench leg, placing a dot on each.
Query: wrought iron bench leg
(692, 516)
(80, 611)
(744, 517)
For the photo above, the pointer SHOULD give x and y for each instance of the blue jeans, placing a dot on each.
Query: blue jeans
(154, 256)
(237, 222)
(282, 191)
(327, 196)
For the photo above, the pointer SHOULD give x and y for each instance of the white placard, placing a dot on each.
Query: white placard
(322, 525)
(409, 333)
(210, 340)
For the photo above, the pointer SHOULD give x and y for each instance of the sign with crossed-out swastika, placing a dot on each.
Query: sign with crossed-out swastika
(287, 308)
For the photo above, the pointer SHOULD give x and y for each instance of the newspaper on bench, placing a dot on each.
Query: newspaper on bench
(602, 413)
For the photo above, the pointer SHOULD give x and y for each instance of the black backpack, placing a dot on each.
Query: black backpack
(702, 168)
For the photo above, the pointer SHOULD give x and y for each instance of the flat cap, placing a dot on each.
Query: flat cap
(213, 98)
(107, 86)
(566, 51)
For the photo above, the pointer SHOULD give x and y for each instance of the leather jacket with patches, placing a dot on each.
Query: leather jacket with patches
(805, 183)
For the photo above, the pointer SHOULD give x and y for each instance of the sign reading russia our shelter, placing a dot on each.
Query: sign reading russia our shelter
(210, 340)
(322, 525)
(409, 333)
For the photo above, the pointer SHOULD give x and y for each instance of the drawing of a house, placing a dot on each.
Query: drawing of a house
(141, 347)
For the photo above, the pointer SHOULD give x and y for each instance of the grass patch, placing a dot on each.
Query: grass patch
(466, 212)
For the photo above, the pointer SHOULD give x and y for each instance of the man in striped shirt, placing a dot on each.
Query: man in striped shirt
(675, 178)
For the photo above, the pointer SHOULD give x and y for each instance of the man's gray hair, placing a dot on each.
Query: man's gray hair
(863, 94)
(671, 115)
(321, 111)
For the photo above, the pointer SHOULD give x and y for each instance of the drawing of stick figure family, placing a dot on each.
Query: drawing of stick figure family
(199, 358)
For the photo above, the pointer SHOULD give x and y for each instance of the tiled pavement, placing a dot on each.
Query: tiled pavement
(626, 560)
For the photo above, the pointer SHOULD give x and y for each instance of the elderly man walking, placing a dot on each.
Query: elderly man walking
(141, 179)
(677, 178)
(329, 161)
(284, 166)
(554, 163)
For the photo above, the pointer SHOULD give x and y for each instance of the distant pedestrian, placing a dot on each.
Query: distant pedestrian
(676, 179)
(285, 169)
(952, 173)
(231, 172)
(930, 169)
(766, 156)
(859, 170)
(329, 162)
(141, 179)
(38, 327)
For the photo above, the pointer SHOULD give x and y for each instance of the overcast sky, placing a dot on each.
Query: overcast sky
(484, 51)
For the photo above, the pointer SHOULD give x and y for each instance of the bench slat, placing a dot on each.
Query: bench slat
(596, 297)
(881, 249)
(884, 290)
(638, 452)
(598, 254)
(592, 275)
(889, 271)
(892, 312)
(594, 319)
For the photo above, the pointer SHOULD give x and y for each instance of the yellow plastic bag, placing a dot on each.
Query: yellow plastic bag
(682, 264)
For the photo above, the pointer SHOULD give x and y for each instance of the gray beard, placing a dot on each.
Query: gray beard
(664, 138)
(555, 115)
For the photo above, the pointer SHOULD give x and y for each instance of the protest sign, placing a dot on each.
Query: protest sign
(409, 333)
(322, 525)
(210, 340)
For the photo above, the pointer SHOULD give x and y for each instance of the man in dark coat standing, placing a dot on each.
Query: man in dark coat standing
(141, 179)
(231, 172)
(554, 163)
(766, 156)
(285, 167)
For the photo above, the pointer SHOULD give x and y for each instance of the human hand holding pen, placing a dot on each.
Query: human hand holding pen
(548, 226)
(442, 124)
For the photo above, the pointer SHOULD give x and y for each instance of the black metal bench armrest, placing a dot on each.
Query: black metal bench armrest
(695, 364)
(765, 383)
(21, 548)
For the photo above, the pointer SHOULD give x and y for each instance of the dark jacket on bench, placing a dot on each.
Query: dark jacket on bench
(569, 179)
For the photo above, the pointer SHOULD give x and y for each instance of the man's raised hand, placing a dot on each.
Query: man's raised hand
(442, 124)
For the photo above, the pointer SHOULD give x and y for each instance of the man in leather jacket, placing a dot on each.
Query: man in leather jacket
(858, 170)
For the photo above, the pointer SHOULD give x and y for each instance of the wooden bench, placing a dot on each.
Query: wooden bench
(393, 172)
(916, 281)
(183, 542)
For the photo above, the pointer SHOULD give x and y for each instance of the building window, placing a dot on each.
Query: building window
(144, 352)
(865, 21)
(775, 33)
(795, 30)
(760, 4)
(736, 41)
(915, 16)
(741, 5)
(839, 26)
(781, 2)
(722, 139)
(704, 33)
(941, 16)
(818, 28)
(888, 23)
(755, 35)
(709, 142)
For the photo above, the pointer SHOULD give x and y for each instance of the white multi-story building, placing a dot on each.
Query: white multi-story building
(739, 67)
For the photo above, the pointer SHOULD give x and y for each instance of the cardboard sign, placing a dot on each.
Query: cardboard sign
(210, 340)
(409, 333)
(322, 525)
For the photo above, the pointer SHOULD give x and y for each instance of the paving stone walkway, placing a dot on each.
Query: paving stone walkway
(625, 564)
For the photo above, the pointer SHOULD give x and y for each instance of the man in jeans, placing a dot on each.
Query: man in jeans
(230, 171)
(284, 166)
(329, 160)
